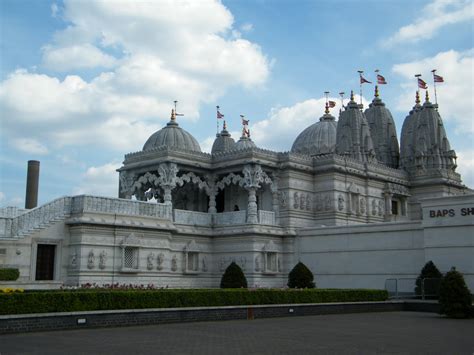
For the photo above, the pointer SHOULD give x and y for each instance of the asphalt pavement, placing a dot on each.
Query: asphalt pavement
(362, 333)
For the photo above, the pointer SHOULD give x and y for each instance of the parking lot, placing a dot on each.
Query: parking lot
(362, 333)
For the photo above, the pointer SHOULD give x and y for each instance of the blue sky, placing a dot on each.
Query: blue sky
(84, 82)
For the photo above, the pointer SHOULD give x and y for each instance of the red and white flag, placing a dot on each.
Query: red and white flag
(364, 80)
(219, 115)
(332, 104)
(438, 78)
(422, 84)
(381, 80)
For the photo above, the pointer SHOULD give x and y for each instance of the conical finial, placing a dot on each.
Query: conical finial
(326, 111)
(225, 125)
(376, 91)
(417, 97)
(173, 115)
(427, 96)
(352, 95)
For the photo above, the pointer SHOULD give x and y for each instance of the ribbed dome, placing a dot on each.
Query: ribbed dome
(383, 132)
(424, 141)
(317, 139)
(353, 134)
(223, 142)
(172, 136)
(244, 143)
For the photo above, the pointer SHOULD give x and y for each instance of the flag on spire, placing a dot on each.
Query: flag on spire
(438, 78)
(331, 103)
(219, 115)
(364, 80)
(244, 121)
(381, 80)
(422, 84)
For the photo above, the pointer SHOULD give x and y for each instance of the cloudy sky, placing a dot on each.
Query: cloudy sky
(84, 82)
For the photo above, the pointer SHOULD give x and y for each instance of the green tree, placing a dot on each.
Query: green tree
(301, 277)
(429, 271)
(454, 296)
(233, 277)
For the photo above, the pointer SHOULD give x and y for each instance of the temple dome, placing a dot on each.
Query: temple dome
(317, 139)
(383, 132)
(244, 142)
(223, 142)
(353, 137)
(172, 136)
(424, 144)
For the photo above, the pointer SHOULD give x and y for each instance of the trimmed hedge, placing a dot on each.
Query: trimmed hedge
(8, 274)
(70, 301)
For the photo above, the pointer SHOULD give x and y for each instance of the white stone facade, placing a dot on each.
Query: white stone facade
(183, 216)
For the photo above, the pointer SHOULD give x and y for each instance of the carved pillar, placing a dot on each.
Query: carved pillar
(388, 204)
(253, 176)
(126, 180)
(252, 206)
(211, 191)
(276, 206)
(167, 180)
(212, 202)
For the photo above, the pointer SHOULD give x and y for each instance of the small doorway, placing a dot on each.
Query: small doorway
(45, 262)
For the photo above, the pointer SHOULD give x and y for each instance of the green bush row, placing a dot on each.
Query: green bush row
(8, 274)
(68, 301)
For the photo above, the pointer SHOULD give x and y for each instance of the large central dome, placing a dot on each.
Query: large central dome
(172, 136)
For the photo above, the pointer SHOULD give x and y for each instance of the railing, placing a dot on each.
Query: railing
(84, 204)
(411, 288)
(266, 217)
(235, 217)
(192, 217)
(39, 216)
(11, 212)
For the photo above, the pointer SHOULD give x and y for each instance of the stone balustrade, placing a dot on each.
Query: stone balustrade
(192, 217)
(235, 217)
(266, 217)
(94, 204)
(24, 222)
(220, 219)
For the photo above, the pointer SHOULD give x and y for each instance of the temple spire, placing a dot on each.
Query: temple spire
(417, 97)
(376, 91)
(427, 96)
(352, 95)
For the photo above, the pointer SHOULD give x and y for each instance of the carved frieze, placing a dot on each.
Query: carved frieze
(149, 261)
(102, 260)
(159, 261)
(91, 260)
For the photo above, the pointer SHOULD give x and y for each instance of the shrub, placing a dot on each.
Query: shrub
(8, 274)
(233, 277)
(91, 300)
(301, 277)
(454, 296)
(429, 271)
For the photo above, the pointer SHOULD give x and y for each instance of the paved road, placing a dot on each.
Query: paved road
(367, 333)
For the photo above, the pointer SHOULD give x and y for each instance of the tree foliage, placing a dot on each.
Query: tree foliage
(301, 277)
(429, 271)
(233, 277)
(454, 296)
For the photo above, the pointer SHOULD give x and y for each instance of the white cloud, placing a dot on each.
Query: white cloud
(169, 51)
(76, 57)
(54, 9)
(100, 181)
(280, 129)
(29, 145)
(246, 27)
(454, 95)
(433, 18)
(466, 167)
(2, 196)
